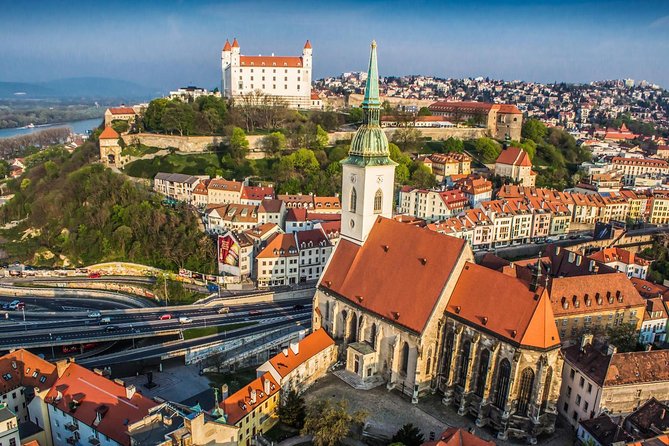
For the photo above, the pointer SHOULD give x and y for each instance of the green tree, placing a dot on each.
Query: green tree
(292, 410)
(487, 149)
(355, 115)
(422, 177)
(535, 130)
(330, 423)
(454, 145)
(623, 336)
(273, 143)
(407, 138)
(178, 117)
(120, 125)
(153, 116)
(51, 169)
(401, 175)
(322, 139)
(408, 435)
(424, 111)
(239, 145)
(4, 168)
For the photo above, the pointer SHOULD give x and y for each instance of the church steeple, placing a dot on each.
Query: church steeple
(370, 145)
(368, 173)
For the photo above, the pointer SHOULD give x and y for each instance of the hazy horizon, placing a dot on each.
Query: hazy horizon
(165, 45)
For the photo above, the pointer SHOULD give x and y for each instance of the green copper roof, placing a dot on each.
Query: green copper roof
(370, 145)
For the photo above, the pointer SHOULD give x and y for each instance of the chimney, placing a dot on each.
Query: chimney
(295, 347)
(130, 391)
(586, 339)
(97, 371)
(253, 396)
(285, 352)
(224, 392)
(119, 382)
(612, 350)
(265, 385)
(61, 366)
(648, 347)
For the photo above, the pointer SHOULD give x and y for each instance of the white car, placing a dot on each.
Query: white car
(94, 314)
(185, 320)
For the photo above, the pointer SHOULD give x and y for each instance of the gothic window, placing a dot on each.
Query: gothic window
(327, 310)
(405, 358)
(525, 393)
(428, 365)
(448, 354)
(372, 336)
(353, 328)
(547, 388)
(482, 374)
(503, 383)
(354, 200)
(464, 363)
(378, 199)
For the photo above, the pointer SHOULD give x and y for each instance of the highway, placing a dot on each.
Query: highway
(68, 330)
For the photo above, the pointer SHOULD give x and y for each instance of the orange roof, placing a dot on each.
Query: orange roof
(359, 274)
(615, 254)
(93, 394)
(307, 45)
(235, 44)
(514, 156)
(315, 96)
(648, 289)
(222, 184)
(108, 133)
(227, 46)
(122, 111)
(31, 443)
(257, 192)
(280, 245)
(481, 292)
(248, 398)
(457, 436)
(25, 370)
(271, 61)
(287, 361)
(327, 203)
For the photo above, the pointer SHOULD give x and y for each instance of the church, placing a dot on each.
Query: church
(410, 309)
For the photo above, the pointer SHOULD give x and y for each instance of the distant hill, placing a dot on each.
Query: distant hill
(79, 87)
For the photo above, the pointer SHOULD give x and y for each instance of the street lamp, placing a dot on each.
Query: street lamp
(23, 310)
(53, 354)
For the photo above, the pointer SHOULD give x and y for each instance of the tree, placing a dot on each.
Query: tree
(408, 435)
(239, 145)
(355, 115)
(408, 139)
(424, 111)
(422, 177)
(120, 125)
(623, 336)
(454, 145)
(322, 138)
(487, 149)
(330, 423)
(535, 130)
(4, 168)
(178, 117)
(293, 410)
(273, 143)
(153, 115)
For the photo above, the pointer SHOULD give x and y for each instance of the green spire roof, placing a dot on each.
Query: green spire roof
(370, 145)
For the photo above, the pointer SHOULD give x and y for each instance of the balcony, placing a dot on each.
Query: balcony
(72, 427)
(71, 440)
(94, 441)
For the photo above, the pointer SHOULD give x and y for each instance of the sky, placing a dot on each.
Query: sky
(165, 44)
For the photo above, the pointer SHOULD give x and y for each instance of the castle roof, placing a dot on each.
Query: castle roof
(307, 45)
(271, 61)
(108, 133)
(514, 156)
(235, 44)
(227, 46)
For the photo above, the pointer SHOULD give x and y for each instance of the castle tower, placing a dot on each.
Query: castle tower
(306, 55)
(368, 173)
(226, 58)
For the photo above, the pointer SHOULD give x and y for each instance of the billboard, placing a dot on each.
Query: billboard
(228, 255)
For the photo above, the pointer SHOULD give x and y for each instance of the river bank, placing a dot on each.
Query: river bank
(82, 126)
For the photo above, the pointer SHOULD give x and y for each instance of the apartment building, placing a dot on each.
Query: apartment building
(432, 205)
(659, 208)
(638, 167)
(622, 260)
(240, 217)
(272, 211)
(655, 320)
(221, 191)
(278, 263)
(444, 165)
(514, 163)
(314, 249)
(176, 186)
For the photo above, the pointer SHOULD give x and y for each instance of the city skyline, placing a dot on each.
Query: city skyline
(165, 45)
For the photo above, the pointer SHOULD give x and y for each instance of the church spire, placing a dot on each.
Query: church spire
(370, 144)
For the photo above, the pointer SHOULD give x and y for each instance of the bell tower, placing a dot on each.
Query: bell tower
(368, 173)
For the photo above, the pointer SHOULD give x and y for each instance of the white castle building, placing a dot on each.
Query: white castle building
(287, 78)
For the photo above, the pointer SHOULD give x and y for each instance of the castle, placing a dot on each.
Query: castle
(286, 79)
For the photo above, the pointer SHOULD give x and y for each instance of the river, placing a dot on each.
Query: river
(76, 126)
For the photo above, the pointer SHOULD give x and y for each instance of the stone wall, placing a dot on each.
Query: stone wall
(434, 133)
(188, 144)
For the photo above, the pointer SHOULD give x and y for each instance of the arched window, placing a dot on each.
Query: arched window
(482, 374)
(547, 389)
(378, 201)
(405, 358)
(354, 200)
(448, 355)
(525, 393)
(428, 364)
(464, 363)
(503, 383)
(353, 328)
(327, 310)
(372, 336)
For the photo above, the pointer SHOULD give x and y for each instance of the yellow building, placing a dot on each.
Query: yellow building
(659, 208)
(253, 408)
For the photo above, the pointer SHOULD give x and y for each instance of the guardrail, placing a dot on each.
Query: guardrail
(133, 301)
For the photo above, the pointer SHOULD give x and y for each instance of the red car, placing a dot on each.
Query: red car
(94, 275)
(165, 317)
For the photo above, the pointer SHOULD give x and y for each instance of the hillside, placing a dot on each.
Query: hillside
(83, 213)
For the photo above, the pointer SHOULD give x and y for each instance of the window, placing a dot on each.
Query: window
(547, 388)
(405, 358)
(526, 385)
(581, 383)
(571, 374)
(565, 408)
(503, 383)
(482, 375)
(464, 363)
(378, 201)
(585, 405)
(568, 391)
(354, 200)
(578, 400)
(589, 388)
(448, 351)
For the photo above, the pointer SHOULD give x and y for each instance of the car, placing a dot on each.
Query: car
(165, 317)
(185, 320)
(111, 328)
(13, 304)
(298, 307)
(254, 312)
(94, 275)
(105, 320)
(94, 314)
(21, 306)
(223, 310)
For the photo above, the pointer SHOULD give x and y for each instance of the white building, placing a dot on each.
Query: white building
(9, 427)
(278, 263)
(622, 260)
(315, 249)
(285, 78)
(189, 93)
(176, 186)
(654, 325)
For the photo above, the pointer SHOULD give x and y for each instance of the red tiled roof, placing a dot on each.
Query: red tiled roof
(296, 214)
(257, 192)
(221, 184)
(648, 289)
(457, 436)
(280, 245)
(615, 254)
(239, 404)
(286, 361)
(95, 393)
(108, 133)
(227, 46)
(514, 156)
(270, 206)
(271, 61)
(360, 274)
(235, 44)
(25, 370)
(314, 236)
(327, 203)
(122, 111)
(480, 293)
(307, 45)
(314, 96)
